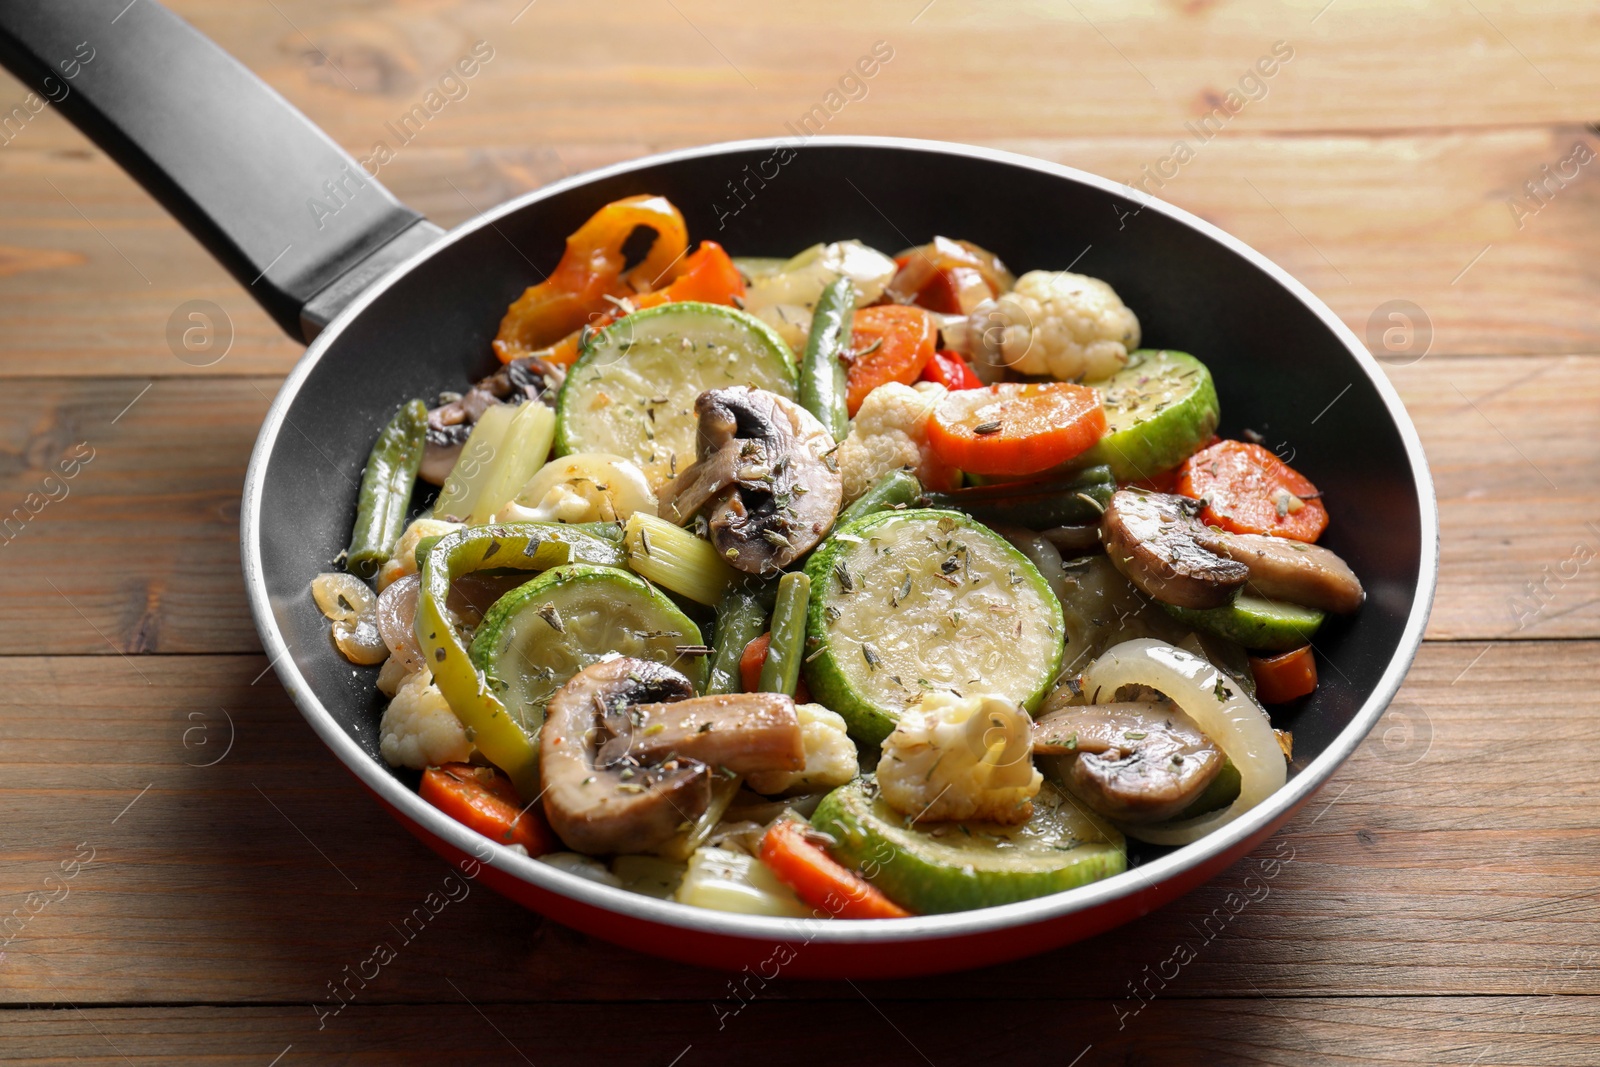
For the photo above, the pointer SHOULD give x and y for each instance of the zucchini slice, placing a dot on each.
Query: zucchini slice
(1160, 408)
(904, 602)
(632, 391)
(1254, 622)
(543, 632)
(943, 867)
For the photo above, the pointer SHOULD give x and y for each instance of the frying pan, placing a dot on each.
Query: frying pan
(393, 307)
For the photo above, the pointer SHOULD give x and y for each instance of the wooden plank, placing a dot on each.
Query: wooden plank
(702, 70)
(1514, 446)
(141, 555)
(138, 551)
(1451, 855)
(1484, 1031)
(1363, 220)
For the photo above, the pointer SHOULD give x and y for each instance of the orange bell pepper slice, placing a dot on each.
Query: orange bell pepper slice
(592, 270)
(709, 276)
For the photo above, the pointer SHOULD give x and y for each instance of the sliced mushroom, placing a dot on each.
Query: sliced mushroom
(1282, 569)
(623, 807)
(1135, 762)
(740, 732)
(1151, 539)
(627, 752)
(449, 424)
(761, 470)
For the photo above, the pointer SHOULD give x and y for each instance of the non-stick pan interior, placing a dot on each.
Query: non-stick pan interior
(1278, 366)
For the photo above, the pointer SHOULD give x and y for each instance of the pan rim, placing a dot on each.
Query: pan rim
(1148, 877)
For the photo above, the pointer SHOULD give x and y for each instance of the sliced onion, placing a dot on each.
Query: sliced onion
(923, 262)
(341, 597)
(397, 612)
(350, 604)
(1234, 723)
(360, 642)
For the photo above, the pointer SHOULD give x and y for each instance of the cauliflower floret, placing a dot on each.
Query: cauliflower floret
(890, 431)
(830, 756)
(1069, 326)
(403, 560)
(419, 730)
(952, 758)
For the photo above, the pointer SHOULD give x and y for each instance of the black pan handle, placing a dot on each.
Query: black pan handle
(287, 211)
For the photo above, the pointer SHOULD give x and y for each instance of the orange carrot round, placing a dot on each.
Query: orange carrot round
(1284, 677)
(1247, 489)
(890, 343)
(1015, 428)
(484, 799)
(821, 881)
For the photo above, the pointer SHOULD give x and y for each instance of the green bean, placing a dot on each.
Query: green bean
(894, 490)
(741, 618)
(1040, 505)
(386, 487)
(781, 672)
(822, 373)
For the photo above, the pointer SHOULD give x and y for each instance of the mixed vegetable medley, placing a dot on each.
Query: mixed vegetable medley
(847, 586)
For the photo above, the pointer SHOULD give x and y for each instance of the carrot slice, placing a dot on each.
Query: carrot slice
(1247, 489)
(890, 343)
(1015, 428)
(1282, 678)
(484, 799)
(821, 881)
(754, 658)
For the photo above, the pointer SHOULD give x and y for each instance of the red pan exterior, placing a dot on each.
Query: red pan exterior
(797, 959)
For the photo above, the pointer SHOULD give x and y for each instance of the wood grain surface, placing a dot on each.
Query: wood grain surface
(1436, 903)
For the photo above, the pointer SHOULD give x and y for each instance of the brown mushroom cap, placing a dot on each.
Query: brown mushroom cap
(760, 468)
(1152, 539)
(622, 808)
(1135, 762)
(627, 752)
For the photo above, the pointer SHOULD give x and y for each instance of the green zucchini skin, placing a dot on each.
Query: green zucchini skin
(1219, 793)
(1160, 409)
(822, 372)
(386, 486)
(880, 635)
(544, 631)
(949, 867)
(1254, 622)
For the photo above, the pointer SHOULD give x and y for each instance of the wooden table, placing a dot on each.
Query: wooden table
(1440, 900)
